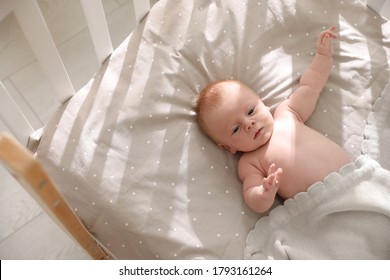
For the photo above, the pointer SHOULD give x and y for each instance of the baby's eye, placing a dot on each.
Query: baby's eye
(251, 111)
(236, 129)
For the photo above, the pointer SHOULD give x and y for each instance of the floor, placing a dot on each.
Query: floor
(26, 232)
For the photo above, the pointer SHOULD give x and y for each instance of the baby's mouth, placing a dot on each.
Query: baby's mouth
(259, 132)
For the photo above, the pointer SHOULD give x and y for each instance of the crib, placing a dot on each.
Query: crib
(122, 165)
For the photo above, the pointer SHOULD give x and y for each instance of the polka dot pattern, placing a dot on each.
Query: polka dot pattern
(126, 151)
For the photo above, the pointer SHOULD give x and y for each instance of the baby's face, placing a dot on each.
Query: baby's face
(241, 122)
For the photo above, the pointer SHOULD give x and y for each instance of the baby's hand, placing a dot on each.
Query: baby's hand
(324, 44)
(271, 183)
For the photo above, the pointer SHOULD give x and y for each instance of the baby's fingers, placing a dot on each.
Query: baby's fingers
(329, 33)
(267, 183)
(330, 30)
(278, 174)
(271, 179)
(272, 169)
(271, 183)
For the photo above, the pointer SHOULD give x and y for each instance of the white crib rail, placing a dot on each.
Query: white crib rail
(13, 117)
(14, 156)
(34, 27)
(38, 35)
(96, 20)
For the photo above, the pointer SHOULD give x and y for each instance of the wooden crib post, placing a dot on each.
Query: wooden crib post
(29, 172)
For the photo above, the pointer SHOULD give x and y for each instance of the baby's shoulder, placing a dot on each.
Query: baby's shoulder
(283, 111)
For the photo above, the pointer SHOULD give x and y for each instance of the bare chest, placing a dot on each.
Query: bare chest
(305, 156)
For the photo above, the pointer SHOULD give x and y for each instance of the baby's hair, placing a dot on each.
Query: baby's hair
(209, 98)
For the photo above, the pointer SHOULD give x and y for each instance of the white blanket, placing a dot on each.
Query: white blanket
(347, 216)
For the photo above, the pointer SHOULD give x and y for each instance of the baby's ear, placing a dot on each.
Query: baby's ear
(227, 148)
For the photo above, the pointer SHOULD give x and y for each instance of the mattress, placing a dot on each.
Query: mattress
(126, 151)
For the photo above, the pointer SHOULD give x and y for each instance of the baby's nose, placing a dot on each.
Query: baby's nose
(250, 124)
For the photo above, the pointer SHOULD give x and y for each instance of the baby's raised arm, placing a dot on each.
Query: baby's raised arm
(259, 190)
(304, 99)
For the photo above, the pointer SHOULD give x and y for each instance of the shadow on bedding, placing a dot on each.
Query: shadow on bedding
(128, 154)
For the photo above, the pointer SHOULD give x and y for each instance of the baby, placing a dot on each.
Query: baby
(281, 154)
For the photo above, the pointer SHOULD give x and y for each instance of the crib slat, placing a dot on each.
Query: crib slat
(13, 117)
(38, 35)
(29, 172)
(97, 24)
(141, 8)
